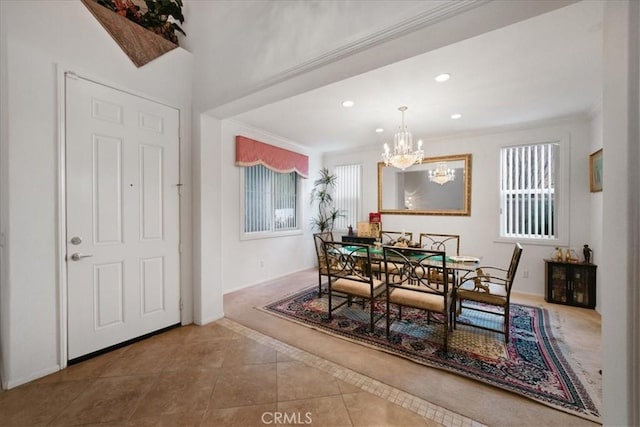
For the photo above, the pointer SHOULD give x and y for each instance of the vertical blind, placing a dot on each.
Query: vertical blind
(347, 196)
(269, 200)
(528, 191)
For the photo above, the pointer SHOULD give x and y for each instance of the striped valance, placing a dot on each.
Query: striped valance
(250, 152)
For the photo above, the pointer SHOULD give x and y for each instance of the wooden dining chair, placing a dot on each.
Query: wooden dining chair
(319, 238)
(489, 286)
(421, 283)
(348, 267)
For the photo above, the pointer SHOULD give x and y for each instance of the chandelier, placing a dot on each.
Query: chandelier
(403, 154)
(441, 174)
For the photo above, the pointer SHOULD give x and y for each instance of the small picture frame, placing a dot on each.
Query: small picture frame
(595, 171)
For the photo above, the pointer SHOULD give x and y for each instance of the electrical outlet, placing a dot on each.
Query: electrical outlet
(525, 274)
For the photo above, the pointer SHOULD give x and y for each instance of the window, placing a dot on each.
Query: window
(347, 198)
(270, 201)
(528, 191)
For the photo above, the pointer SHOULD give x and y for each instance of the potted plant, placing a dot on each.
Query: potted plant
(160, 16)
(322, 195)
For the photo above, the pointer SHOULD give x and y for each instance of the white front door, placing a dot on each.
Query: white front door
(122, 171)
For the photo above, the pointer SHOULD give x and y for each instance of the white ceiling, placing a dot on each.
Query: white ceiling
(543, 68)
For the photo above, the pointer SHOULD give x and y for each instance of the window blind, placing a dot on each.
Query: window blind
(528, 191)
(347, 196)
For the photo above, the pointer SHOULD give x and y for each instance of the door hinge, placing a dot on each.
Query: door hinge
(179, 188)
(180, 248)
(181, 304)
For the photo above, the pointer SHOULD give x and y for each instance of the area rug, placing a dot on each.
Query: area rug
(531, 364)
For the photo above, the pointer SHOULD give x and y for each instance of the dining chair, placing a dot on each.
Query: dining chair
(391, 237)
(450, 243)
(319, 238)
(348, 267)
(489, 286)
(422, 283)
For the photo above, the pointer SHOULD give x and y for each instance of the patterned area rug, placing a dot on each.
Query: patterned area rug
(531, 364)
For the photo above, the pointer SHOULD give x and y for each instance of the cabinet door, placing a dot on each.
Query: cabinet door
(558, 283)
(580, 291)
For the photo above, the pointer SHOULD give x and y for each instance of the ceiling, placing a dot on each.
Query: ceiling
(543, 68)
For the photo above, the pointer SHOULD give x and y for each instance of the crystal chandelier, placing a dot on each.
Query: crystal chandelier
(441, 174)
(403, 154)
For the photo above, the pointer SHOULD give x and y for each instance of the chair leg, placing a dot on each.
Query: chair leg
(446, 336)
(506, 324)
(371, 319)
(329, 294)
(388, 317)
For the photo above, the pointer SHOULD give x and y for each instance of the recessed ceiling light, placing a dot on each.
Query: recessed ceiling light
(379, 130)
(348, 103)
(443, 77)
(456, 116)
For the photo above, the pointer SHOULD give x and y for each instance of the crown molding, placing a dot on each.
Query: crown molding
(402, 28)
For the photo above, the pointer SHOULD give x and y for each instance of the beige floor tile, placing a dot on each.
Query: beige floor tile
(245, 385)
(368, 410)
(348, 388)
(178, 392)
(248, 352)
(142, 358)
(88, 369)
(38, 403)
(299, 381)
(243, 416)
(327, 411)
(192, 419)
(106, 400)
(196, 354)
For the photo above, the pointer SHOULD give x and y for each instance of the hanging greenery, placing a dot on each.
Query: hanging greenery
(160, 16)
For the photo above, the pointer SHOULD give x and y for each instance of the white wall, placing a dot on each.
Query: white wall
(620, 231)
(595, 208)
(280, 255)
(42, 40)
(479, 232)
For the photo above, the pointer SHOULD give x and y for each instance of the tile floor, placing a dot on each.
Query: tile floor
(222, 374)
(227, 374)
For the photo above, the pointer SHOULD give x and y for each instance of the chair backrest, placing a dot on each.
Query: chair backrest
(390, 237)
(348, 260)
(324, 236)
(513, 265)
(450, 243)
(319, 238)
(422, 270)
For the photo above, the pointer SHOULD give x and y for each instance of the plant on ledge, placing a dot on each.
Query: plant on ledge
(156, 17)
(321, 193)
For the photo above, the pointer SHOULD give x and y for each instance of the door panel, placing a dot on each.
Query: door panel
(122, 162)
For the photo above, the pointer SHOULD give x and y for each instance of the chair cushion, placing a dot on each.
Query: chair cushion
(393, 267)
(423, 300)
(355, 287)
(497, 294)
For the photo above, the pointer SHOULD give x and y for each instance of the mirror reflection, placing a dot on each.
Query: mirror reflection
(437, 186)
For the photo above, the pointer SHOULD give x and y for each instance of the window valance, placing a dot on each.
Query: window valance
(250, 152)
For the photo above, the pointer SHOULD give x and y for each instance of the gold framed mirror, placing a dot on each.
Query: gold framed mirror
(437, 186)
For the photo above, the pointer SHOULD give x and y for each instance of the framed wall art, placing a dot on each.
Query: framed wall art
(595, 171)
